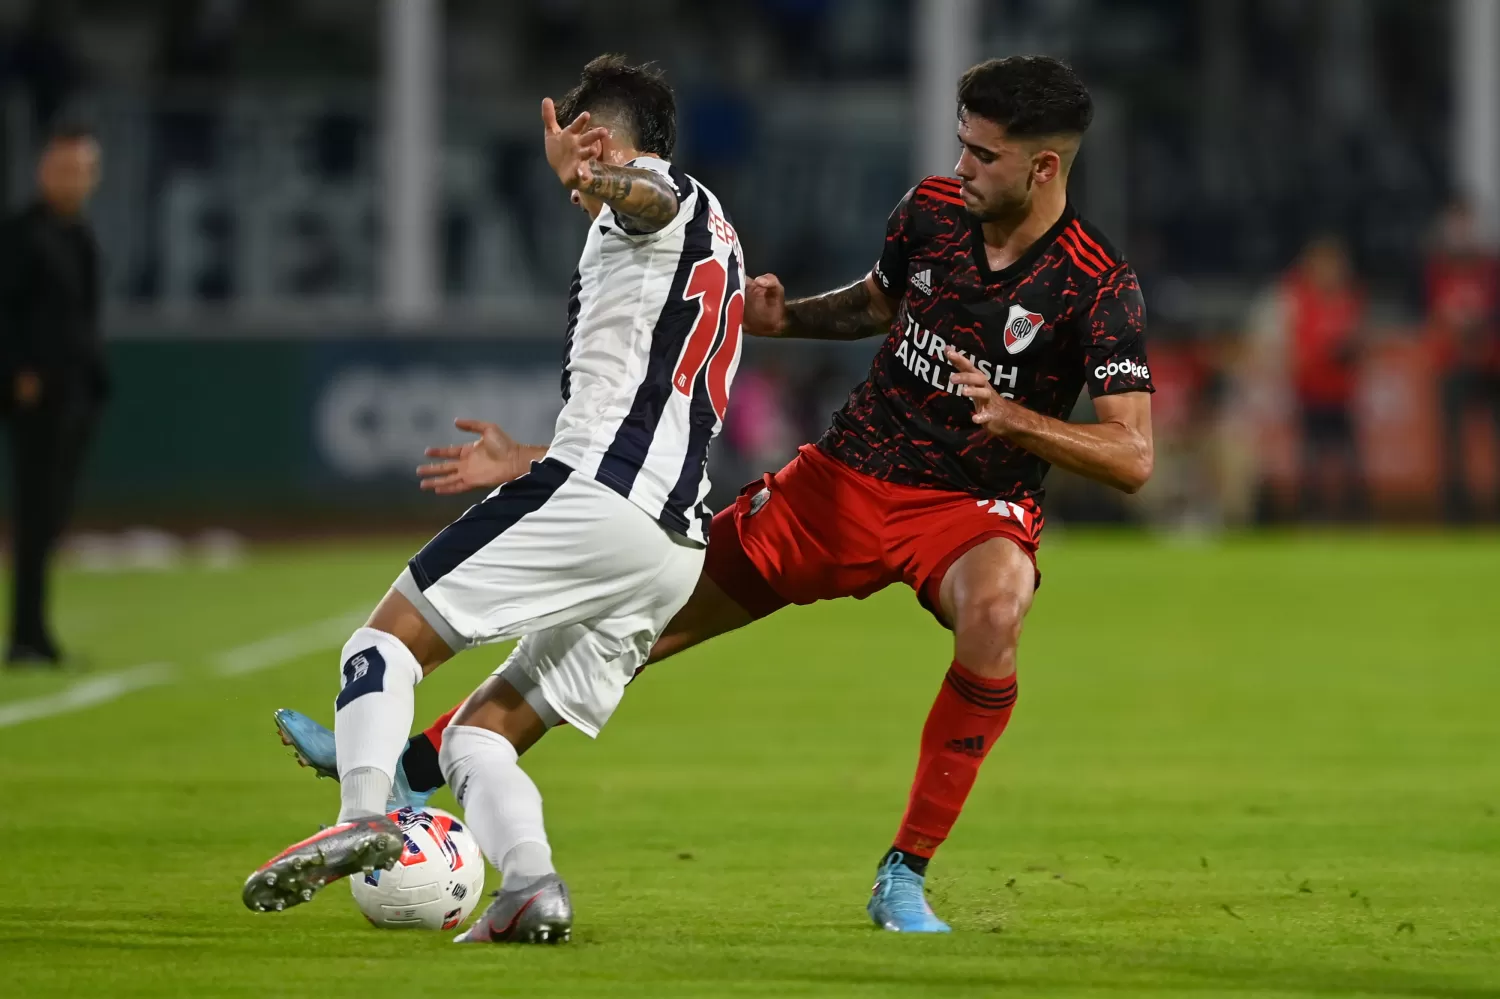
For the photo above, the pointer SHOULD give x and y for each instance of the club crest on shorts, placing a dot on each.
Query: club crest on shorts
(1021, 327)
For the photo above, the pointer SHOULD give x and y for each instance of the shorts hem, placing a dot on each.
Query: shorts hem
(531, 691)
(928, 589)
(406, 585)
(571, 717)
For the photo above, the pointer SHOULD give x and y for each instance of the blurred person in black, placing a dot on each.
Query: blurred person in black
(52, 370)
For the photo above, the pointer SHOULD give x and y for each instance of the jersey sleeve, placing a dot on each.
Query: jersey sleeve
(890, 269)
(1115, 337)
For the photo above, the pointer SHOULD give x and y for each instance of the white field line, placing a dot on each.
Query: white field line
(86, 693)
(274, 650)
(264, 653)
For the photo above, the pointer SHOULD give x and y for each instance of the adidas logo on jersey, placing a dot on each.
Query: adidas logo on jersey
(922, 281)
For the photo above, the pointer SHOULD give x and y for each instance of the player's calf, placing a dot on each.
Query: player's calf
(381, 665)
(985, 595)
(480, 758)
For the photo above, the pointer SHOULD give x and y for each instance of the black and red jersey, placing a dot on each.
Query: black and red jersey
(1069, 312)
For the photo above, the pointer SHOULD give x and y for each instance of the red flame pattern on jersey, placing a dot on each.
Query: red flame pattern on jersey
(1084, 319)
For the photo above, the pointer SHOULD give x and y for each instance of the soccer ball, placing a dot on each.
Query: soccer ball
(436, 883)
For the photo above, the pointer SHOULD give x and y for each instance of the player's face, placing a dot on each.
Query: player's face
(999, 174)
(1326, 265)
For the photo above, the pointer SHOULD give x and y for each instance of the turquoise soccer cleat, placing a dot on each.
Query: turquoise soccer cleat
(313, 743)
(898, 904)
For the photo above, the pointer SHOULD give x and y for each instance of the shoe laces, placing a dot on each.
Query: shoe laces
(902, 888)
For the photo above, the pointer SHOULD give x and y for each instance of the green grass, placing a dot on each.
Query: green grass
(1267, 767)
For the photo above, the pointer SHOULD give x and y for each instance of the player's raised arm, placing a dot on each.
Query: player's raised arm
(1117, 451)
(852, 313)
(644, 199)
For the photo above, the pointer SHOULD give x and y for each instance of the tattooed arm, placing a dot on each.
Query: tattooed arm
(862, 309)
(643, 199)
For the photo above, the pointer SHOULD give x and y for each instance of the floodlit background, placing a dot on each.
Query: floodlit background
(328, 229)
(1253, 756)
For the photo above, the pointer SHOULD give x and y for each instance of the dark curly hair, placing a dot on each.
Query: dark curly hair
(638, 96)
(1029, 96)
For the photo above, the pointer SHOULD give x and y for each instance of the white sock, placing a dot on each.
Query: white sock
(501, 804)
(363, 791)
(372, 718)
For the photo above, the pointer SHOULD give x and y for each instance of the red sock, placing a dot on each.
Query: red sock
(965, 722)
(434, 732)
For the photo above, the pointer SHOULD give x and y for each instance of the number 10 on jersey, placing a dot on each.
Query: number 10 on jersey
(707, 283)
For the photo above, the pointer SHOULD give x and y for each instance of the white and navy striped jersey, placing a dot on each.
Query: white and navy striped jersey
(653, 344)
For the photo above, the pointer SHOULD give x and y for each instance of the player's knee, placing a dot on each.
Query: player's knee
(395, 615)
(992, 623)
(498, 707)
(997, 614)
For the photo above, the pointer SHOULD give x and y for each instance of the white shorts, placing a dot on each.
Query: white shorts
(584, 577)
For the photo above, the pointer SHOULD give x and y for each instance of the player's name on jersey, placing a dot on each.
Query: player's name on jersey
(923, 353)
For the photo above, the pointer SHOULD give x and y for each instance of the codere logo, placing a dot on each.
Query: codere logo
(1130, 368)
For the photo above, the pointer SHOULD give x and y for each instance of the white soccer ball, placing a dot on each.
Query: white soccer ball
(437, 882)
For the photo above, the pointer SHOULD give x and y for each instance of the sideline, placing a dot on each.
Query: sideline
(86, 693)
(274, 650)
(264, 653)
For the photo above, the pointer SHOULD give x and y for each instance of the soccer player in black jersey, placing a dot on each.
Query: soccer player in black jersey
(998, 305)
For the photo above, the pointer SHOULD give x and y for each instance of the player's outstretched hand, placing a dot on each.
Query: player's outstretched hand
(991, 409)
(765, 306)
(570, 150)
(492, 460)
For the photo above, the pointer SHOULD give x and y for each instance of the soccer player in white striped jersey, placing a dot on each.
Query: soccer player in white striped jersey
(586, 556)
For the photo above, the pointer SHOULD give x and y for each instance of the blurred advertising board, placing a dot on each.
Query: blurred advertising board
(266, 428)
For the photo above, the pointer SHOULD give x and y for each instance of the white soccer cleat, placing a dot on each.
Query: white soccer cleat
(539, 912)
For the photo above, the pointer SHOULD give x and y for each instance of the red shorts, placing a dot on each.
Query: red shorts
(818, 529)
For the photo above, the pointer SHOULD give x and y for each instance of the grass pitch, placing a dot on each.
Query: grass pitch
(1267, 767)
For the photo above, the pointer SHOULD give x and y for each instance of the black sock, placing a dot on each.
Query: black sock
(420, 761)
(917, 865)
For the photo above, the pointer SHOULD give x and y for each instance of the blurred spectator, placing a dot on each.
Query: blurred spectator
(1323, 311)
(759, 427)
(1177, 494)
(52, 362)
(1242, 397)
(1462, 299)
